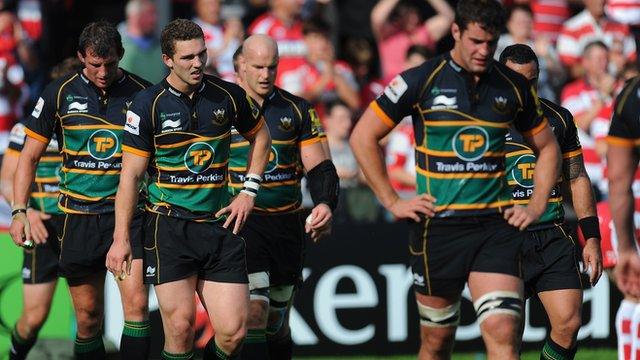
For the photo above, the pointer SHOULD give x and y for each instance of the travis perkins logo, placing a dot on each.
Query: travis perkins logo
(219, 117)
(286, 124)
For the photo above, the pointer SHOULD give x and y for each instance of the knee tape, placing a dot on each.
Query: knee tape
(498, 302)
(280, 297)
(443, 317)
(259, 286)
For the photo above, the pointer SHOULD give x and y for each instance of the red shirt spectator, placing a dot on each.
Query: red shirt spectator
(548, 17)
(624, 11)
(401, 158)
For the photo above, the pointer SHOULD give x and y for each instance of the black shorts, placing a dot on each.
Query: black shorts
(175, 249)
(86, 239)
(40, 264)
(550, 261)
(275, 244)
(445, 250)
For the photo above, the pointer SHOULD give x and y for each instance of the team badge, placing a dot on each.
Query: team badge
(286, 124)
(500, 105)
(219, 117)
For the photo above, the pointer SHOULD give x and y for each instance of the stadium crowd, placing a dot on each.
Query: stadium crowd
(339, 55)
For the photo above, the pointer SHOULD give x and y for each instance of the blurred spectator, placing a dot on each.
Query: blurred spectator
(416, 55)
(142, 53)
(590, 100)
(283, 24)
(589, 25)
(624, 11)
(520, 31)
(221, 41)
(548, 17)
(396, 25)
(338, 122)
(322, 77)
(401, 159)
(360, 56)
(30, 16)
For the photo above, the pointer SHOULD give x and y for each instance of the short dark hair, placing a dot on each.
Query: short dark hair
(521, 7)
(519, 54)
(421, 50)
(236, 57)
(489, 14)
(178, 30)
(66, 66)
(101, 37)
(595, 43)
(315, 25)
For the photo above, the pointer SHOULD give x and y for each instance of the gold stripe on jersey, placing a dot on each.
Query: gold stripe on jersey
(525, 202)
(60, 92)
(180, 168)
(34, 135)
(536, 129)
(463, 115)
(465, 123)
(273, 142)
(432, 76)
(618, 141)
(267, 185)
(256, 128)
(51, 179)
(142, 87)
(293, 103)
(308, 142)
(198, 138)
(624, 97)
(476, 206)
(477, 175)
(40, 195)
(381, 114)
(51, 158)
(83, 197)
(90, 172)
(132, 150)
(84, 153)
(424, 150)
(287, 208)
(92, 127)
(571, 154)
(515, 88)
(191, 186)
(233, 101)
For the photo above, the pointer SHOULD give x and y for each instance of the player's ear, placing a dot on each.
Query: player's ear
(167, 61)
(455, 31)
(80, 57)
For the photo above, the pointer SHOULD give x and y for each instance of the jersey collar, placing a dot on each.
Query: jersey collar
(177, 92)
(462, 71)
(97, 89)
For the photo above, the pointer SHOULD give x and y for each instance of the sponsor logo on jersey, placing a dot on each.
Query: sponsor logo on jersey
(470, 143)
(38, 108)
(170, 122)
(26, 273)
(523, 169)
(442, 102)
(78, 107)
(396, 88)
(273, 161)
(198, 157)
(132, 124)
(151, 271)
(102, 144)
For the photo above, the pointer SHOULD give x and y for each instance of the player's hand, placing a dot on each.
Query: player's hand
(627, 272)
(412, 208)
(592, 258)
(319, 222)
(20, 230)
(238, 210)
(39, 231)
(119, 257)
(521, 216)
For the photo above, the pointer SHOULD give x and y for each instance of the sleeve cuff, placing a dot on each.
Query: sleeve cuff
(537, 129)
(571, 154)
(34, 135)
(135, 151)
(255, 128)
(311, 141)
(619, 141)
(381, 114)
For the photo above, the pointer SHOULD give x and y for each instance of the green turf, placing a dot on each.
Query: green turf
(583, 354)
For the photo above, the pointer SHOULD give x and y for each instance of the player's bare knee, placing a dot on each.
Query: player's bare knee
(231, 338)
(179, 328)
(136, 306)
(35, 318)
(566, 330)
(89, 322)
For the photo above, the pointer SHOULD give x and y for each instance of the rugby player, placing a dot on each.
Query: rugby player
(86, 111)
(550, 263)
(464, 226)
(275, 231)
(40, 264)
(179, 132)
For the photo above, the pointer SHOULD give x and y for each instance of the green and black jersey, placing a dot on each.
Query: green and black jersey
(187, 142)
(521, 162)
(45, 189)
(460, 129)
(293, 123)
(89, 125)
(625, 122)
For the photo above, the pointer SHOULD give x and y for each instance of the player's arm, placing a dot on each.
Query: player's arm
(379, 16)
(24, 176)
(7, 170)
(324, 187)
(251, 125)
(369, 130)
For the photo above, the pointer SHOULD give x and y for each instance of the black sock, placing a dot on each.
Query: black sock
(280, 348)
(89, 349)
(255, 346)
(20, 347)
(169, 356)
(213, 352)
(553, 351)
(136, 340)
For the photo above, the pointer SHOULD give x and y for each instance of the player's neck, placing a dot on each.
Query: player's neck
(254, 95)
(182, 86)
(457, 59)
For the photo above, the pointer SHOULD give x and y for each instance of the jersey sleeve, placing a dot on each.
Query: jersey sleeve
(530, 120)
(398, 97)
(625, 129)
(16, 139)
(41, 123)
(570, 143)
(138, 129)
(310, 127)
(249, 117)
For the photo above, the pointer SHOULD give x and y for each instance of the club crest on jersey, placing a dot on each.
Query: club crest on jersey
(500, 105)
(219, 117)
(286, 124)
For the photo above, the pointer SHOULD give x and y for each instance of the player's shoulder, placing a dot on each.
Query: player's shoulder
(233, 89)
(556, 114)
(148, 95)
(519, 81)
(59, 83)
(282, 94)
(136, 80)
(426, 69)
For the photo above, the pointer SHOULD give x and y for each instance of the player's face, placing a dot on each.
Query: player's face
(188, 61)
(101, 71)
(474, 47)
(260, 71)
(528, 70)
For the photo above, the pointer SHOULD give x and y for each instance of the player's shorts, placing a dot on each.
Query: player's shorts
(40, 264)
(550, 261)
(175, 249)
(86, 239)
(445, 250)
(275, 244)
